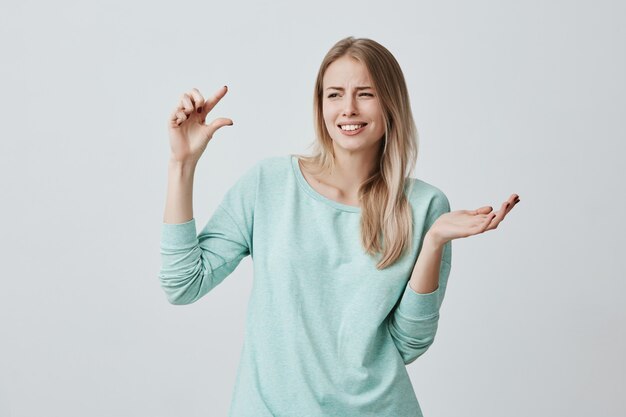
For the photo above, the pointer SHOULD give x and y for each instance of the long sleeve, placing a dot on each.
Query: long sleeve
(326, 333)
(413, 323)
(191, 265)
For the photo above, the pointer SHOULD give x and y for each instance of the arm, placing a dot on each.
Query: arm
(192, 265)
(178, 205)
(413, 324)
(425, 276)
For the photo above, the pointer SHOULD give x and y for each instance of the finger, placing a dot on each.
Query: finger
(213, 100)
(513, 199)
(186, 103)
(177, 116)
(198, 100)
(512, 202)
(499, 216)
(484, 221)
(481, 220)
(504, 209)
(491, 222)
(216, 124)
(181, 116)
(483, 210)
(174, 120)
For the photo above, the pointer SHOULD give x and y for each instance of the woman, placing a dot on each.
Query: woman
(351, 255)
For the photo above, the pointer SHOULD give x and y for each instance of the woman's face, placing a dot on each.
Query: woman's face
(345, 102)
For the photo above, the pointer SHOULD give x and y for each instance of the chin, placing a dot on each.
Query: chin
(354, 144)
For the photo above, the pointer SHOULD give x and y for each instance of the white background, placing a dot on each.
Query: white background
(509, 97)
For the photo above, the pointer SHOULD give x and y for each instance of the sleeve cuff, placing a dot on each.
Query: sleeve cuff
(179, 235)
(419, 305)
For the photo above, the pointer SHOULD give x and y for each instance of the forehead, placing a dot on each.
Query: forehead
(346, 70)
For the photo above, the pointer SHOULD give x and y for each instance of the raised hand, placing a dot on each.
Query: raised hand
(464, 223)
(189, 135)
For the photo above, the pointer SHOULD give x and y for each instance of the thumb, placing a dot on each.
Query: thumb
(210, 129)
(483, 210)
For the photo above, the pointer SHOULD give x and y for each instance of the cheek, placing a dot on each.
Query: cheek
(375, 111)
(378, 117)
(329, 117)
(328, 122)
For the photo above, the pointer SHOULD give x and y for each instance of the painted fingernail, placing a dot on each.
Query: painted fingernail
(200, 109)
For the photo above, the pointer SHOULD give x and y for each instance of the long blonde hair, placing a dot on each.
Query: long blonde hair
(386, 215)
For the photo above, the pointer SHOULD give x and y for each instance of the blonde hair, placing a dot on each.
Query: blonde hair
(386, 215)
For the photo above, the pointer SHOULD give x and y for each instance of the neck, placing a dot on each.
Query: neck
(351, 170)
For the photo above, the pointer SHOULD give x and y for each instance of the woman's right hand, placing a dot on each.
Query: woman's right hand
(189, 135)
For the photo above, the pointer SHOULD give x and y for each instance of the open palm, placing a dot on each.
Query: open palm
(464, 223)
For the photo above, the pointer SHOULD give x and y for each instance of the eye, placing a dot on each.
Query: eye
(362, 94)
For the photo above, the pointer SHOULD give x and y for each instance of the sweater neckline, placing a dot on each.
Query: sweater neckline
(313, 193)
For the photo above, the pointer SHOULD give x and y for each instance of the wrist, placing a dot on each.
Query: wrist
(182, 165)
(433, 240)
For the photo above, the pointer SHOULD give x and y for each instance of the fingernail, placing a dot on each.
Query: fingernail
(225, 86)
(200, 109)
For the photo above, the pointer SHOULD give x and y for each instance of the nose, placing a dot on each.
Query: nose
(349, 105)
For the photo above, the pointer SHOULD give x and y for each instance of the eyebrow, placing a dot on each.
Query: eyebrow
(342, 89)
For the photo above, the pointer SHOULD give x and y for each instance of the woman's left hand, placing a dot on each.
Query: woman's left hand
(465, 223)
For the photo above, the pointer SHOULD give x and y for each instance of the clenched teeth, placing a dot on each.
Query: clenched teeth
(351, 127)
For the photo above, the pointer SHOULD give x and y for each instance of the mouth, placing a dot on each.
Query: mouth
(349, 129)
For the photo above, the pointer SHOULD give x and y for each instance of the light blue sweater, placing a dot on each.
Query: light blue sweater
(327, 334)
